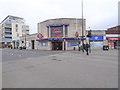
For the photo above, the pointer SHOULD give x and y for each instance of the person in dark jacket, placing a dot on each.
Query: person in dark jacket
(87, 46)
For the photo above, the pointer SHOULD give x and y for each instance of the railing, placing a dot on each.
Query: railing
(8, 31)
(7, 38)
(8, 35)
(7, 25)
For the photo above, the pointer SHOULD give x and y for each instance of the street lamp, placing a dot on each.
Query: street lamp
(82, 27)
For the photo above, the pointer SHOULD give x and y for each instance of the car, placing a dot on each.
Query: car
(105, 47)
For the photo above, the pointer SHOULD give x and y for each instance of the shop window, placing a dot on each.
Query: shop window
(72, 44)
(43, 44)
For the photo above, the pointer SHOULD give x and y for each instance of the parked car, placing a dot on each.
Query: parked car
(105, 47)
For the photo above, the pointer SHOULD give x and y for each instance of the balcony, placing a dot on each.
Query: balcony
(7, 25)
(8, 35)
(8, 39)
(8, 30)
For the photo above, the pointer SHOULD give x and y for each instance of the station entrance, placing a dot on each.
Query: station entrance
(57, 45)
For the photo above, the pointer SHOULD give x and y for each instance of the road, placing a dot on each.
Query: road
(59, 69)
(16, 54)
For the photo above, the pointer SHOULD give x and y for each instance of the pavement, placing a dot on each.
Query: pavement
(69, 69)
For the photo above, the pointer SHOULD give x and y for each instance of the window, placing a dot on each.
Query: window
(43, 44)
(17, 35)
(16, 27)
(56, 31)
(72, 44)
(66, 31)
(48, 31)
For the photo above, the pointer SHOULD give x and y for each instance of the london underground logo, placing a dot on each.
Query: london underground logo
(39, 35)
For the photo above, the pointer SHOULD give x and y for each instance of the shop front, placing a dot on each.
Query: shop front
(96, 41)
(114, 42)
(59, 43)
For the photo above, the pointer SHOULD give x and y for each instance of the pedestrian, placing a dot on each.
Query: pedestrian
(87, 46)
(83, 47)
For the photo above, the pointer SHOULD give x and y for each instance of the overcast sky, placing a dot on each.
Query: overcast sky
(99, 14)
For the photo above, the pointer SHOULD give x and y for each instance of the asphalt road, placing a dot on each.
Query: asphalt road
(16, 54)
(59, 69)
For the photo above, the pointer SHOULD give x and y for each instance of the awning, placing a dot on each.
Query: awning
(59, 39)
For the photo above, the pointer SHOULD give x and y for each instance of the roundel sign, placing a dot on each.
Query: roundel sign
(39, 35)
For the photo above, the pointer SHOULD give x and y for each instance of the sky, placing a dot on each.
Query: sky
(99, 14)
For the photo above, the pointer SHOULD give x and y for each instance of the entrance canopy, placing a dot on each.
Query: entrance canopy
(60, 39)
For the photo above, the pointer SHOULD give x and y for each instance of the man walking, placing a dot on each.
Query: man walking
(87, 46)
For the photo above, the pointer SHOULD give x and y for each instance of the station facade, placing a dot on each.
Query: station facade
(61, 34)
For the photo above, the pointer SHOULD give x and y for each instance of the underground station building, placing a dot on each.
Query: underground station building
(60, 34)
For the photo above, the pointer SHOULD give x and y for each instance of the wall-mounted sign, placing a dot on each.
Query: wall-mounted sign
(39, 35)
(97, 38)
(113, 39)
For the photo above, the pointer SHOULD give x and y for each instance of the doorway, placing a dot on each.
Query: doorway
(56, 45)
(33, 44)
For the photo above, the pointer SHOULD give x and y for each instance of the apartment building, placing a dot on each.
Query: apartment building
(11, 29)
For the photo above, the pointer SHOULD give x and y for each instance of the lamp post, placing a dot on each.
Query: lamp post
(82, 27)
